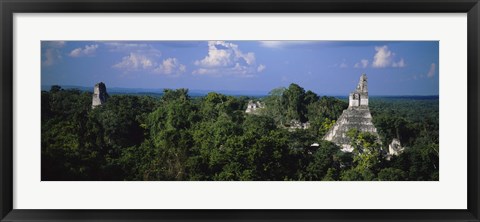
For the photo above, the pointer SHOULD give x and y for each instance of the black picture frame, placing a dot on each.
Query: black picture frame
(9, 7)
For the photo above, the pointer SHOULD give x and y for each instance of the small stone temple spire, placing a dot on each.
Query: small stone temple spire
(362, 84)
(359, 97)
(100, 95)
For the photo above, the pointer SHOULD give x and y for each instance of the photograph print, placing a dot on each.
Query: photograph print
(240, 110)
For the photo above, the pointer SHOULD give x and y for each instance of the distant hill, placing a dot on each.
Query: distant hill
(196, 93)
(159, 91)
(377, 98)
(432, 97)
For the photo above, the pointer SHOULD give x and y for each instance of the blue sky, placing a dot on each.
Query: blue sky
(325, 67)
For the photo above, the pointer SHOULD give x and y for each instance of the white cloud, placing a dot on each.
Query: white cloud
(226, 59)
(51, 56)
(88, 50)
(385, 58)
(221, 53)
(362, 64)
(261, 67)
(343, 65)
(127, 46)
(282, 44)
(140, 56)
(399, 64)
(52, 53)
(54, 44)
(149, 61)
(382, 58)
(135, 62)
(202, 71)
(170, 66)
(272, 44)
(431, 72)
(237, 69)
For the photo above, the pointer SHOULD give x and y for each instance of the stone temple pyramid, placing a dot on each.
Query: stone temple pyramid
(357, 115)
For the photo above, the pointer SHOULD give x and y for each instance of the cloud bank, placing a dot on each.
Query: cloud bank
(144, 57)
(88, 50)
(52, 52)
(385, 58)
(225, 58)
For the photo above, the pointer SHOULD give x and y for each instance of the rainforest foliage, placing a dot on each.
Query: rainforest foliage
(176, 137)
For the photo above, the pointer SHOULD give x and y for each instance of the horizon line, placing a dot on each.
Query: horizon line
(250, 91)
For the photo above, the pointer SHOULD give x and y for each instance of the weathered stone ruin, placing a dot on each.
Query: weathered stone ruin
(395, 148)
(356, 116)
(254, 107)
(295, 124)
(100, 95)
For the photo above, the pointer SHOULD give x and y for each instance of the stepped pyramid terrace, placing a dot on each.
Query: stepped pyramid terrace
(356, 116)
